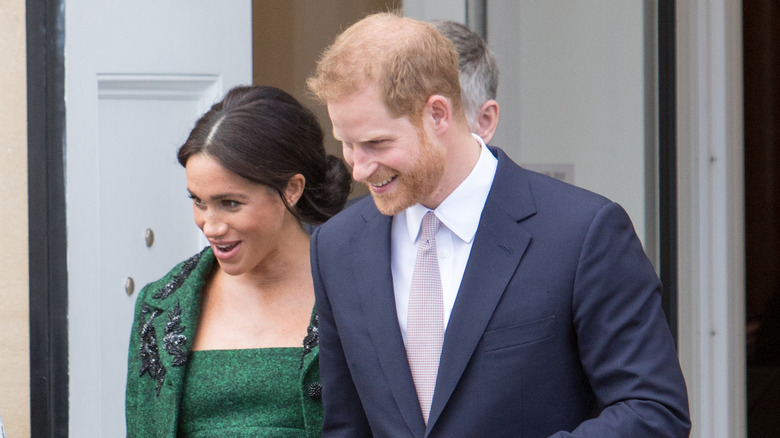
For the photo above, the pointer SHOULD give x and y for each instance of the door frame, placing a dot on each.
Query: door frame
(711, 214)
(667, 162)
(48, 274)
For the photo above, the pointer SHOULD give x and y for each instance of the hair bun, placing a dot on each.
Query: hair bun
(329, 197)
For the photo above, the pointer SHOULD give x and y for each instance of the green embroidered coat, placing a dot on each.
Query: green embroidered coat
(166, 317)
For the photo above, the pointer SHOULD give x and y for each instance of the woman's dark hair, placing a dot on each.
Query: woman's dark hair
(264, 135)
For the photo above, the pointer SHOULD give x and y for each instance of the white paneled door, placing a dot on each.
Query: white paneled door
(138, 74)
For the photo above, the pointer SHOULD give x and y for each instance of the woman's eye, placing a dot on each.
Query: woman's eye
(230, 204)
(196, 201)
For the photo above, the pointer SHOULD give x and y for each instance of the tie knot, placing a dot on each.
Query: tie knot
(430, 225)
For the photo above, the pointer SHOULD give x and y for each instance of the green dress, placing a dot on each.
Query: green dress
(242, 393)
(276, 392)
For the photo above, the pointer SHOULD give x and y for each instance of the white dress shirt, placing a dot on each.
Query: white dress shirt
(459, 214)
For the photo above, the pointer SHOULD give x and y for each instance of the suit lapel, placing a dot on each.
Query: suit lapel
(378, 298)
(499, 245)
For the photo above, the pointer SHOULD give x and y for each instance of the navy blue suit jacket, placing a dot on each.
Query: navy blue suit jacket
(557, 329)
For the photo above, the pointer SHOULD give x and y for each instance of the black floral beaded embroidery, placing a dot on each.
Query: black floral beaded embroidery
(312, 338)
(174, 341)
(178, 279)
(150, 356)
(315, 391)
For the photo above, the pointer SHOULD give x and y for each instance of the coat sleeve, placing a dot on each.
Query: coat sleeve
(624, 341)
(134, 389)
(150, 410)
(344, 415)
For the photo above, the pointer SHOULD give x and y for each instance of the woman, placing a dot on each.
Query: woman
(226, 343)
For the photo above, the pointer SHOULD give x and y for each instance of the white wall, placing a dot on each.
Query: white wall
(14, 283)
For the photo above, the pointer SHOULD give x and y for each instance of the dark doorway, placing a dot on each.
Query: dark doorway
(761, 45)
(288, 38)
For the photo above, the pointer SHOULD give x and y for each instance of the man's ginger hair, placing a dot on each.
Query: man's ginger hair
(407, 59)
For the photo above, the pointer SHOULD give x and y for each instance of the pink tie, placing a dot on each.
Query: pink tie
(425, 322)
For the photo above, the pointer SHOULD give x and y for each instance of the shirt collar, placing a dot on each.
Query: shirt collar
(461, 210)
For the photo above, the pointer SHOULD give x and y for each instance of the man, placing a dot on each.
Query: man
(478, 77)
(525, 307)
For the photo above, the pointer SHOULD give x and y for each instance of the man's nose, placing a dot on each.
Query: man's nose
(362, 166)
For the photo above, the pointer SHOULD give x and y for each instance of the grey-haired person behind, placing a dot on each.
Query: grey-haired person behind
(478, 77)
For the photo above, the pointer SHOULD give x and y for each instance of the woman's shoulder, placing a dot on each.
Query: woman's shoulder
(192, 272)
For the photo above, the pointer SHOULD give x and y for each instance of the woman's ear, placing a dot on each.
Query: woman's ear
(294, 189)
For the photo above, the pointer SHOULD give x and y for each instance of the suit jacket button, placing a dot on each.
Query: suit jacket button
(315, 391)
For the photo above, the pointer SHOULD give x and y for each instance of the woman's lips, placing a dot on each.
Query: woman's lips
(225, 250)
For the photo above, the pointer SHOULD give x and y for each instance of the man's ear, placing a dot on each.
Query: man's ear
(294, 189)
(439, 109)
(486, 122)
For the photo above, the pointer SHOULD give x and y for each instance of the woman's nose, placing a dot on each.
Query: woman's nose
(213, 225)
